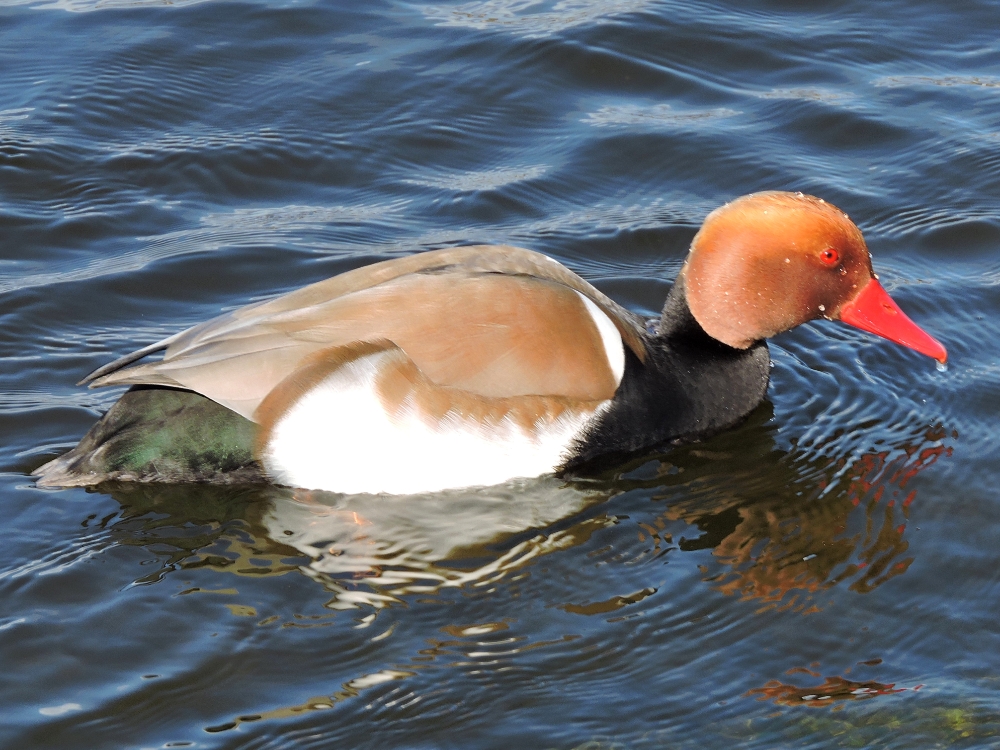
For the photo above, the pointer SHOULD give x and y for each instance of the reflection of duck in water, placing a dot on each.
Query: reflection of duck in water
(782, 526)
(363, 549)
(472, 366)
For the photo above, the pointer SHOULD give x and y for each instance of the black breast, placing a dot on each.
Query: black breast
(690, 386)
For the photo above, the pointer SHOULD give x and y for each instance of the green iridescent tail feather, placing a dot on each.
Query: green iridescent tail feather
(155, 434)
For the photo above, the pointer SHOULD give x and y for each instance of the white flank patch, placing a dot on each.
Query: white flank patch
(338, 438)
(614, 347)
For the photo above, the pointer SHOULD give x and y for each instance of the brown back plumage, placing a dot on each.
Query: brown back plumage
(495, 321)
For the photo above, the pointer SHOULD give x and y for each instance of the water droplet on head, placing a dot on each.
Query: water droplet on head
(942, 366)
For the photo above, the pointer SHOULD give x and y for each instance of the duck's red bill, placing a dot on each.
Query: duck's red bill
(873, 310)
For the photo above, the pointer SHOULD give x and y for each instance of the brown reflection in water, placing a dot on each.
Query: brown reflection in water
(609, 605)
(832, 691)
(797, 524)
(780, 550)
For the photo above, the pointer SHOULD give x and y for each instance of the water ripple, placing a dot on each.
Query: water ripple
(59, 560)
(488, 179)
(525, 18)
(654, 116)
(238, 228)
(84, 6)
(906, 81)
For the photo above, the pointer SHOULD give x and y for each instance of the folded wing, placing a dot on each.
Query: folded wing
(493, 321)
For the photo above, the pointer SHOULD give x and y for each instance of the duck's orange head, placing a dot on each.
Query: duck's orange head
(768, 262)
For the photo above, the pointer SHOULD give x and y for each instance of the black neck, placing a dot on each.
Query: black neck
(690, 386)
(677, 322)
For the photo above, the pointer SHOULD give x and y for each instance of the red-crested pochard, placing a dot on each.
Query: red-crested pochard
(475, 365)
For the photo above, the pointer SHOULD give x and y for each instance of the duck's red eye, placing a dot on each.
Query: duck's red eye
(829, 257)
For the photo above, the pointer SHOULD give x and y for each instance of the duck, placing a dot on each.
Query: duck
(474, 366)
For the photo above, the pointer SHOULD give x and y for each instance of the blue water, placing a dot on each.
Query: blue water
(823, 576)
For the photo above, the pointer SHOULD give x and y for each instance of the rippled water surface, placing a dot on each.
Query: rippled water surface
(824, 576)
